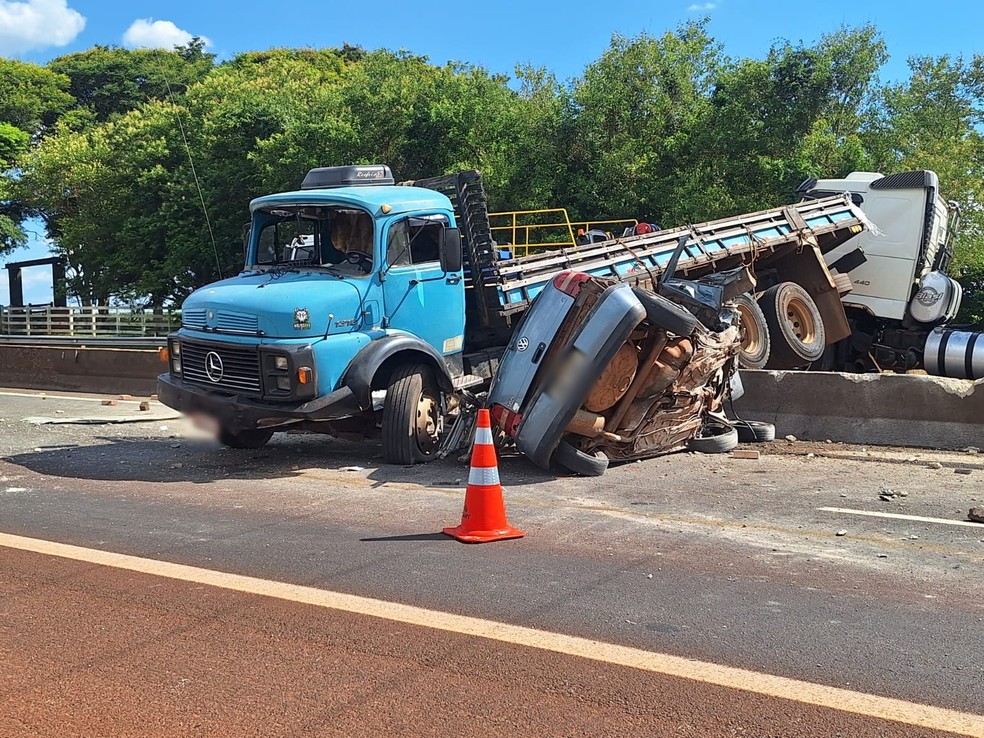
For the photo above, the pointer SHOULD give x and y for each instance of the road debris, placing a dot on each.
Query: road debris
(971, 450)
(144, 406)
(108, 403)
(934, 465)
(791, 438)
(963, 471)
(841, 533)
(352, 468)
(745, 453)
(977, 514)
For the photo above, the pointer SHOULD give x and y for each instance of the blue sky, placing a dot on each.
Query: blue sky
(498, 34)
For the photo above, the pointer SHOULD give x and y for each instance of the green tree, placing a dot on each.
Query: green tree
(631, 120)
(31, 99)
(108, 81)
(933, 120)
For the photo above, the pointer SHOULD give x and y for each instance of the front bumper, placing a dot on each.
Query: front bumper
(238, 413)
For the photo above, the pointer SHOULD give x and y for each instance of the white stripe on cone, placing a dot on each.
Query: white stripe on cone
(483, 436)
(483, 476)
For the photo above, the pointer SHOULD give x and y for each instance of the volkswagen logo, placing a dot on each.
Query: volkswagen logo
(522, 344)
(213, 366)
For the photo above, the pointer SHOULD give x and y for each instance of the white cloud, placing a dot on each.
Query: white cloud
(147, 33)
(698, 7)
(37, 24)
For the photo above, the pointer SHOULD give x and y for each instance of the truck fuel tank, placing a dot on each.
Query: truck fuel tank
(957, 354)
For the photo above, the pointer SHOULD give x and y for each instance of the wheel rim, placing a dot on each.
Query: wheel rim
(750, 332)
(428, 423)
(799, 318)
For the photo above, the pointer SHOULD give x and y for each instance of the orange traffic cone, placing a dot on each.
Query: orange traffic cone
(484, 516)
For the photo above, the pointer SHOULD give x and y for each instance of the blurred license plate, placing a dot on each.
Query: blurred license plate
(205, 422)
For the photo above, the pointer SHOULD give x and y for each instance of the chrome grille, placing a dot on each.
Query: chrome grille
(193, 318)
(227, 321)
(240, 366)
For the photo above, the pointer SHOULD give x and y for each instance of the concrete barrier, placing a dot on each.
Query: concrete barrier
(99, 370)
(876, 409)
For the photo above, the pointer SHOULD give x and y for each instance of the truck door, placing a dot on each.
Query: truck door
(419, 298)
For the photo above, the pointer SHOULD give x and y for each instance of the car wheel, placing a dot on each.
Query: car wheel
(665, 314)
(754, 331)
(587, 465)
(247, 439)
(795, 326)
(752, 431)
(714, 439)
(412, 416)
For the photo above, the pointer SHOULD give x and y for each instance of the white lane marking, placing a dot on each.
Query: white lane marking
(899, 516)
(884, 708)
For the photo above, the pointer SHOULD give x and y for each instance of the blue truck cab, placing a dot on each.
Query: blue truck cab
(352, 286)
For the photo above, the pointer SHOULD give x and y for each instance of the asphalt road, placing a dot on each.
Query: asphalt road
(725, 561)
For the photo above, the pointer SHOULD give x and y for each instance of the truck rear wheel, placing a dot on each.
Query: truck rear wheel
(795, 326)
(412, 416)
(248, 439)
(755, 343)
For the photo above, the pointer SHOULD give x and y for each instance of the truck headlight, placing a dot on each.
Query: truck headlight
(280, 362)
(283, 383)
(175, 357)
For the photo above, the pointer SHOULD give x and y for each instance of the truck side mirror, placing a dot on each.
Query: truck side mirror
(450, 250)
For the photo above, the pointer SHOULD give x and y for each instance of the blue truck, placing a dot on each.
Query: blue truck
(370, 309)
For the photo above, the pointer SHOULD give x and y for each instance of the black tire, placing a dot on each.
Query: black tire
(753, 431)
(587, 465)
(755, 342)
(247, 439)
(795, 326)
(715, 439)
(665, 314)
(409, 388)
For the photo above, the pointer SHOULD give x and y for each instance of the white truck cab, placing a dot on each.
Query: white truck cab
(907, 251)
(901, 296)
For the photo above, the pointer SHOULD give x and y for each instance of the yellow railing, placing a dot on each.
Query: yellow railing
(548, 228)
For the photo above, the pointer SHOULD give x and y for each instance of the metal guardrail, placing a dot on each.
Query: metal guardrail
(113, 342)
(96, 321)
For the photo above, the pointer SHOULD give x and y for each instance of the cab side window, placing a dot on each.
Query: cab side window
(415, 240)
(398, 244)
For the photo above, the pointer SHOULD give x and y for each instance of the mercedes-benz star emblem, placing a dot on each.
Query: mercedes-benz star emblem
(213, 366)
(522, 344)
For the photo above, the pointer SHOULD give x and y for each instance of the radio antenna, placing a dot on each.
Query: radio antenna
(191, 160)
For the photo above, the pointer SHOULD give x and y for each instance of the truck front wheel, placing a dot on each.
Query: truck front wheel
(248, 439)
(412, 416)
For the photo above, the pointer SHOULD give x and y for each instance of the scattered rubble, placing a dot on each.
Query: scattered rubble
(971, 450)
(144, 406)
(841, 533)
(963, 471)
(108, 402)
(791, 438)
(977, 514)
(745, 453)
(934, 465)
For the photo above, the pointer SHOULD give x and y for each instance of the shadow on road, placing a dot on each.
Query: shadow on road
(144, 459)
(410, 537)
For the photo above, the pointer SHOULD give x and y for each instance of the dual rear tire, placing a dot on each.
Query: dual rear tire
(783, 329)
